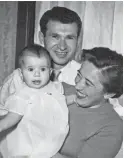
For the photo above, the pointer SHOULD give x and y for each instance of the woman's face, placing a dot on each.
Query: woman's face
(89, 90)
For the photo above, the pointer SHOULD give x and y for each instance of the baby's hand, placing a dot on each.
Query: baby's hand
(70, 99)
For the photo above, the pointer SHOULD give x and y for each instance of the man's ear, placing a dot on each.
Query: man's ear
(41, 38)
(108, 95)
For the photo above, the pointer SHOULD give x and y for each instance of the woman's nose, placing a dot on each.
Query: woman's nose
(80, 84)
(62, 44)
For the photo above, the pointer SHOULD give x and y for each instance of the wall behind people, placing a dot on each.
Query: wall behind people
(102, 22)
(8, 21)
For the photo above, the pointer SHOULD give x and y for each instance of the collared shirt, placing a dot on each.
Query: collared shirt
(69, 72)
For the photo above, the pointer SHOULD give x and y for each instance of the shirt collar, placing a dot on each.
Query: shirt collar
(65, 67)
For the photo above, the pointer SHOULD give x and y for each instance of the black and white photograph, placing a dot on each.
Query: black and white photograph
(61, 79)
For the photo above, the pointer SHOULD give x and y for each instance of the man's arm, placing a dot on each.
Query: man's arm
(9, 120)
(70, 99)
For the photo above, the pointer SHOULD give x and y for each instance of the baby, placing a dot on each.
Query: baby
(38, 108)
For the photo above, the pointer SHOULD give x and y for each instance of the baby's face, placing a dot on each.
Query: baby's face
(36, 71)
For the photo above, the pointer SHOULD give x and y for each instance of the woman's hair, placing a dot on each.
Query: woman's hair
(110, 64)
(60, 14)
(37, 50)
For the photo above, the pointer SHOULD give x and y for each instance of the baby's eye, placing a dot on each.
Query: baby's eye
(43, 69)
(30, 69)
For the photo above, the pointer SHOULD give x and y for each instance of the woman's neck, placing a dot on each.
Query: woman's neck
(100, 103)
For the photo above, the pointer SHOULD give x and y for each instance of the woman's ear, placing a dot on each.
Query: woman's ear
(41, 38)
(108, 95)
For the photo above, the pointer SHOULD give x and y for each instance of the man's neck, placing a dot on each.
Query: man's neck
(58, 67)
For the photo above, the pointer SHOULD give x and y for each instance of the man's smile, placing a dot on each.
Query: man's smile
(61, 54)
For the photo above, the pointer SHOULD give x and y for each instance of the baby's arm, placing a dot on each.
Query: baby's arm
(9, 120)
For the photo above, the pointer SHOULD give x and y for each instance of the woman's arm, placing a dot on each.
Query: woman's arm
(9, 120)
(104, 144)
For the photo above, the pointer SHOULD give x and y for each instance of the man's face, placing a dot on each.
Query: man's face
(36, 71)
(61, 42)
(90, 91)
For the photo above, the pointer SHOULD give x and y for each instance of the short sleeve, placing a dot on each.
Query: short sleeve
(16, 104)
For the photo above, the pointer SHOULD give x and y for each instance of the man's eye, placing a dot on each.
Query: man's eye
(55, 36)
(30, 69)
(71, 37)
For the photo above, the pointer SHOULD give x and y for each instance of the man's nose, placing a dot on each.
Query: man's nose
(62, 44)
(37, 73)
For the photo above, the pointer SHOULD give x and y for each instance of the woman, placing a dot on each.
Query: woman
(96, 130)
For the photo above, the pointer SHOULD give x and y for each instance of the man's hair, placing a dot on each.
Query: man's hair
(37, 50)
(61, 14)
(110, 64)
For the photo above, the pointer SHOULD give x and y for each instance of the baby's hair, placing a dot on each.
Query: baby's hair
(37, 50)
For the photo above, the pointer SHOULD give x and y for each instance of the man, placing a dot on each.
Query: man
(60, 29)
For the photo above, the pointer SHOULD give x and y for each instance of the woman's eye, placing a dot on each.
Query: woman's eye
(88, 84)
(79, 75)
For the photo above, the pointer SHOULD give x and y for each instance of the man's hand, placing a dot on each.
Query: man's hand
(70, 99)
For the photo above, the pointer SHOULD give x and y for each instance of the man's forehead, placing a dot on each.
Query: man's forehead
(56, 26)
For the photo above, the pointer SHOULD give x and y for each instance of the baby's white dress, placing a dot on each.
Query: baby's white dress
(44, 125)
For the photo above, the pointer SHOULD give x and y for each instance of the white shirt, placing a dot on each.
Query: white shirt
(69, 72)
